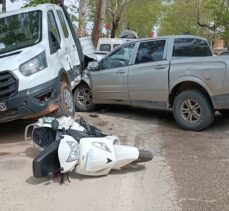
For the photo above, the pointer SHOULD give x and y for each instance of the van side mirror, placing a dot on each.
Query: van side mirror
(93, 66)
(55, 45)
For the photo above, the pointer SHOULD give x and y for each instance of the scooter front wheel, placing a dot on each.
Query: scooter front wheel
(144, 156)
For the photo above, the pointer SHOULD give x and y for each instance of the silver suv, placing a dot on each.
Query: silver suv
(173, 72)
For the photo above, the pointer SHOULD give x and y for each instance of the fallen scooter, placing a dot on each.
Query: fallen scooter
(68, 145)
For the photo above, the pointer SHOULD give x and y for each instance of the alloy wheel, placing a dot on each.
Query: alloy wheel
(190, 111)
(84, 97)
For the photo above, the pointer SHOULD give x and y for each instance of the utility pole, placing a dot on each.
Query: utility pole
(99, 20)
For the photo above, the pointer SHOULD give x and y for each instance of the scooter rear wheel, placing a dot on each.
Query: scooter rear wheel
(144, 156)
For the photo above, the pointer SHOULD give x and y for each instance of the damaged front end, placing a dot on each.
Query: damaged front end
(30, 103)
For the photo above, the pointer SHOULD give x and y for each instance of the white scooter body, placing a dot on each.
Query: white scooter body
(94, 156)
(97, 156)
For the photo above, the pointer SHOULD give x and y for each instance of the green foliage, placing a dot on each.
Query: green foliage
(180, 17)
(142, 16)
(72, 8)
(173, 16)
(219, 10)
(36, 2)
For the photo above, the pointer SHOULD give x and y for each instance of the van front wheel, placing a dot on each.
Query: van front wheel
(67, 107)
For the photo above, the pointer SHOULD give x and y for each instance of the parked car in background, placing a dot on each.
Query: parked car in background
(108, 44)
(89, 49)
(172, 72)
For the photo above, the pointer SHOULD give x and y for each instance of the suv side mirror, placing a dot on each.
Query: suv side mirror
(93, 66)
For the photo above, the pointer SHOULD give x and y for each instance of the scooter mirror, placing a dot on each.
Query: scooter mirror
(55, 125)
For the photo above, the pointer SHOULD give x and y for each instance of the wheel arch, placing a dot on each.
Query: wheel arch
(63, 77)
(187, 85)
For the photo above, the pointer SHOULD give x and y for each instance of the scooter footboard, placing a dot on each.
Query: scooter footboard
(125, 155)
(47, 162)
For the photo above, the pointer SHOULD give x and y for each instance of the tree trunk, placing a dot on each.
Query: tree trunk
(99, 20)
(82, 18)
(3, 6)
(115, 24)
(114, 29)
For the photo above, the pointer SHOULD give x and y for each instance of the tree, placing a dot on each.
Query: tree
(139, 16)
(3, 3)
(179, 17)
(99, 20)
(142, 16)
(218, 22)
(82, 18)
(115, 11)
(207, 18)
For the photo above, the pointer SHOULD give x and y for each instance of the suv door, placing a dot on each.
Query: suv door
(109, 83)
(148, 77)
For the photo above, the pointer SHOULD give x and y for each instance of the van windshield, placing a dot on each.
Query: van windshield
(20, 31)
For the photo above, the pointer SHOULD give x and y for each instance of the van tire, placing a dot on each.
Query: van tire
(83, 98)
(193, 110)
(66, 107)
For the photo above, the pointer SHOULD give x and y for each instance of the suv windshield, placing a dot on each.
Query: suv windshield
(19, 31)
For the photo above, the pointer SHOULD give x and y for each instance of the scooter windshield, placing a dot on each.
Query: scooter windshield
(20, 31)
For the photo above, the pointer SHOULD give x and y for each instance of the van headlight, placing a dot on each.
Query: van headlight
(74, 151)
(34, 65)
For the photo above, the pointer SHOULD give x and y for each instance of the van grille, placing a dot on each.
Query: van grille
(8, 85)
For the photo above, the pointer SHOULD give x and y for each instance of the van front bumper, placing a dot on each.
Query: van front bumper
(34, 102)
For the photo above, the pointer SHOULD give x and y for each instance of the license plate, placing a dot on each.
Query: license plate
(3, 106)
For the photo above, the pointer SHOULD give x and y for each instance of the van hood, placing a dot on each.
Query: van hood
(11, 61)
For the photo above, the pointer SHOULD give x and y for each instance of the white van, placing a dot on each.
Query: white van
(40, 62)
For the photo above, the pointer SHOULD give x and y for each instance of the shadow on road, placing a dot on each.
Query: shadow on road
(45, 181)
(73, 175)
(12, 132)
(165, 118)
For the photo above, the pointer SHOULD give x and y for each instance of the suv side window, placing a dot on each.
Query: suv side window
(53, 26)
(120, 58)
(150, 51)
(191, 47)
(63, 23)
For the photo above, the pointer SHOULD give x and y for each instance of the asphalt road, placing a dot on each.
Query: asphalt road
(189, 171)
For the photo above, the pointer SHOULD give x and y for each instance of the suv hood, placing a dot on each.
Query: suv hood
(11, 61)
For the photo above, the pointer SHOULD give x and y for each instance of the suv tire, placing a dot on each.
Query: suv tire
(193, 111)
(83, 98)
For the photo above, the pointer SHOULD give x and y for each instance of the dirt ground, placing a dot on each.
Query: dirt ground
(189, 171)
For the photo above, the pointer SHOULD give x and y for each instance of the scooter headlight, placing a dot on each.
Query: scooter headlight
(74, 151)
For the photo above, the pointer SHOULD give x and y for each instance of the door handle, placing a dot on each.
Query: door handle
(120, 72)
(159, 67)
